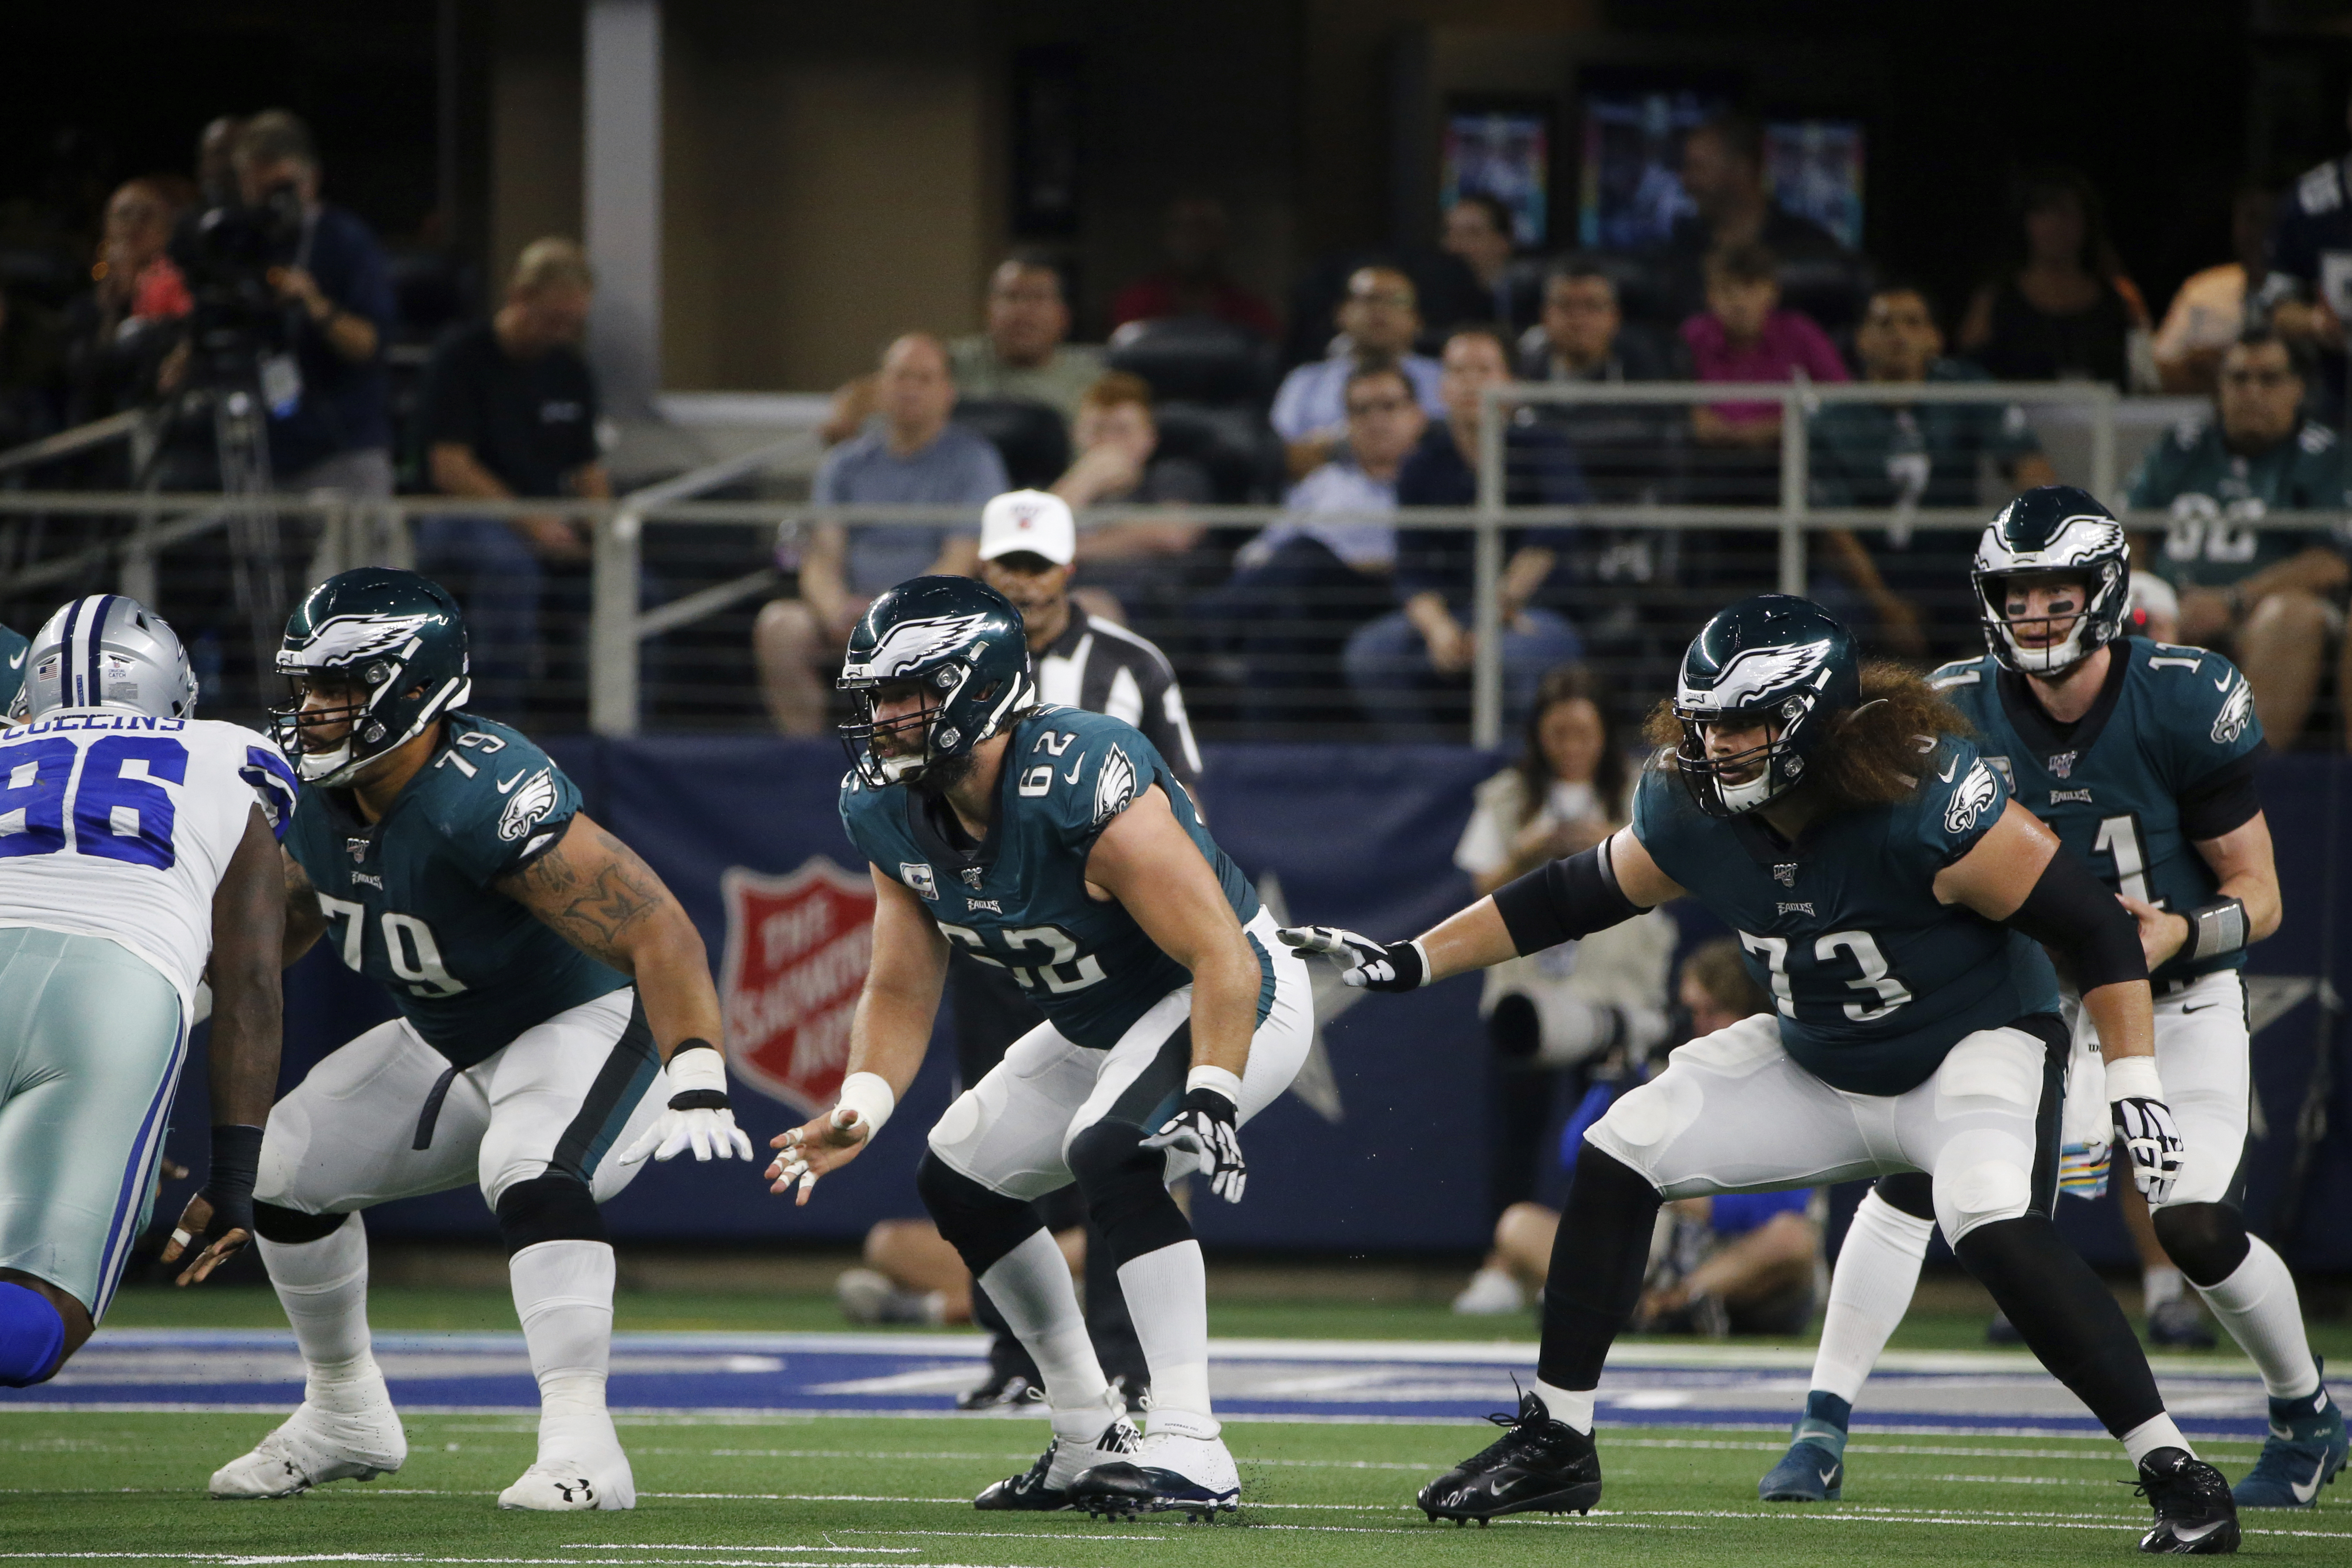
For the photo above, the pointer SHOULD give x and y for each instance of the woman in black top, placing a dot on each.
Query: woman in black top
(2061, 308)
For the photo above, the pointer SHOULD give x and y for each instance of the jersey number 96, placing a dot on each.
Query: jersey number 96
(118, 815)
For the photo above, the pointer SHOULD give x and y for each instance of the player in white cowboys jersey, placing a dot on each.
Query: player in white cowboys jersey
(137, 845)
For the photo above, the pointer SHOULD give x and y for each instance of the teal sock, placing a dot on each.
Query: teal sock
(1824, 1421)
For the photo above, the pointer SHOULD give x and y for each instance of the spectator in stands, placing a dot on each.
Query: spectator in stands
(1022, 355)
(2268, 597)
(1478, 232)
(335, 433)
(1744, 335)
(1581, 334)
(2308, 293)
(1303, 584)
(1195, 281)
(509, 408)
(120, 335)
(1723, 174)
(1401, 664)
(914, 456)
(1568, 1016)
(1379, 320)
(2062, 308)
(2210, 311)
(1126, 567)
(1913, 584)
(217, 161)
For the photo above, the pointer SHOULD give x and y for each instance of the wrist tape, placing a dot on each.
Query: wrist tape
(2132, 1078)
(698, 1075)
(1228, 1084)
(2215, 929)
(869, 1095)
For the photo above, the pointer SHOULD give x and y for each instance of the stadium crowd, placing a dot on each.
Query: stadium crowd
(1358, 395)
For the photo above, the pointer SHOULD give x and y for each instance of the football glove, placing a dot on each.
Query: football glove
(1203, 1128)
(698, 1116)
(217, 1223)
(1364, 963)
(2143, 1126)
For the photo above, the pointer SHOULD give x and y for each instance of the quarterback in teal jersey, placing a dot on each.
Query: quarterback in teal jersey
(2141, 756)
(557, 1026)
(1890, 894)
(1059, 845)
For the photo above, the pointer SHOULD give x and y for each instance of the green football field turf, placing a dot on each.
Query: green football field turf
(129, 1490)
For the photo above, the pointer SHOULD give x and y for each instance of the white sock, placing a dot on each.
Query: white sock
(2156, 1432)
(1569, 1406)
(322, 1284)
(1031, 1286)
(2160, 1285)
(1168, 1297)
(2257, 1304)
(1877, 1269)
(563, 1294)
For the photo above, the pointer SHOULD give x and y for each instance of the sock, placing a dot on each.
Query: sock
(563, 1294)
(31, 1336)
(1031, 1289)
(2068, 1318)
(322, 1286)
(1166, 1292)
(2159, 1286)
(1569, 1406)
(2157, 1432)
(2257, 1303)
(1594, 1279)
(1824, 1421)
(1877, 1270)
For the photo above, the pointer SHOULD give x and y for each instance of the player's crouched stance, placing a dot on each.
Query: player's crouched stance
(1890, 893)
(544, 977)
(1057, 843)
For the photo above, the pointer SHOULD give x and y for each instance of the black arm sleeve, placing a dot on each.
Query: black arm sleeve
(2223, 801)
(1562, 901)
(2076, 916)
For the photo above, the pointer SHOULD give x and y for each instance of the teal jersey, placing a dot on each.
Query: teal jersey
(410, 899)
(1017, 900)
(1874, 979)
(12, 649)
(2218, 499)
(2170, 741)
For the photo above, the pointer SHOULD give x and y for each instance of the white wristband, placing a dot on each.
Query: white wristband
(869, 1095)
(696, 1069)
(2132, 1078)
(1225, 1083)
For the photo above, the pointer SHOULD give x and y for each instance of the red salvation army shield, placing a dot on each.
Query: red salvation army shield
(797, 950)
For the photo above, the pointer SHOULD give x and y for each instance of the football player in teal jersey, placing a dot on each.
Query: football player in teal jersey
(1058, 844)
(2141, 757)
(1890, 894)
(12, 649)
(557, 1024)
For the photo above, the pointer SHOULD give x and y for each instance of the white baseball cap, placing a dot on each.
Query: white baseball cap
(1033, 520)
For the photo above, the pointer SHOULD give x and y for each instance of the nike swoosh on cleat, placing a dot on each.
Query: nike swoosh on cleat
(2197, 1533)
(1829, 1477)
(506, 784)
(2304, 1491)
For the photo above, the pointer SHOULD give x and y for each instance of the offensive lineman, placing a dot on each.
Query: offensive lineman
(144, 846)
(2136, 753)
(1890, 894)
(544, 977)
(1057, 844)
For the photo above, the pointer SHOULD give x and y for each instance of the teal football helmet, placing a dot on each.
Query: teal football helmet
(961, 642)
(387, 651)
(1773, 660)
(2053, 531)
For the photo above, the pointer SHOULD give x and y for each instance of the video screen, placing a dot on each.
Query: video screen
(1505, 153)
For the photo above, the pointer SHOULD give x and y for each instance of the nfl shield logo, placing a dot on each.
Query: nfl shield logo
(797, 950)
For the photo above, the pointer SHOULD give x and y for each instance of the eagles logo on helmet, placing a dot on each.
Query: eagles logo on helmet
(1773, 660)
(949, 635)
(2049, 532)
(385, 652)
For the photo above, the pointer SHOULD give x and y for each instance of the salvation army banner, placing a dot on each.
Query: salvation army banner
(1382, 1146)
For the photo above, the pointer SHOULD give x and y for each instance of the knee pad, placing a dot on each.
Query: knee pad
(548, 1208)
(1980, 1192)
(292, 1227)
(31, 1336)
(981, 1226)
(1909, 1192)
(1127, 1190)
(2208, 1241)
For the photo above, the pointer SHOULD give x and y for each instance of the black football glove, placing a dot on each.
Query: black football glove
(1364, 963)
(1203, 1128)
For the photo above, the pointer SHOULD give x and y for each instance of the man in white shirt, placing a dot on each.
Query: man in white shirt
(1378, 320)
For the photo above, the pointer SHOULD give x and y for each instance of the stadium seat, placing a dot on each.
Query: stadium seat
(1030, 436)
(1195, 359)
(1243, 457)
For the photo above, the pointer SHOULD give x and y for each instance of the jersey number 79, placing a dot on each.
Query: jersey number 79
(409, 947)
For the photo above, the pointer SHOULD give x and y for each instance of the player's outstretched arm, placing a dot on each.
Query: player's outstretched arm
(593, 891)
(887, 1036)
(306, 920)
(248, 942)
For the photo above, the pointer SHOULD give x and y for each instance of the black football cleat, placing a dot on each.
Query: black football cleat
(1538, 1464)
(2194, 1514)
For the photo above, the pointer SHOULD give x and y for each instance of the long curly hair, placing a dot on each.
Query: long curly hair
(1873, 759)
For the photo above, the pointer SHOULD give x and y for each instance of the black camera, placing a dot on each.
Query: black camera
(226, 254)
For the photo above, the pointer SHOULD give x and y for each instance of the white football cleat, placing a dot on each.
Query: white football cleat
(1169, 1471)
(565, 1485)
(313, 1447)
(1491, 1293)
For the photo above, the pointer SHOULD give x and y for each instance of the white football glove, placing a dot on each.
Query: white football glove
(2144, 1127)
(698, 1116)
(1203, 1128)
(1365, 965)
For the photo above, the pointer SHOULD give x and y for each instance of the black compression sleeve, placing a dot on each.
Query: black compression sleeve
(2076, 916)
(1562, 901)
(2221, 801)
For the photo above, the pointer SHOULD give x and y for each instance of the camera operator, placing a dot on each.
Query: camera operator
(330, 424)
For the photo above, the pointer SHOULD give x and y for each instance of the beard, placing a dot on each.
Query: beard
(943, 775)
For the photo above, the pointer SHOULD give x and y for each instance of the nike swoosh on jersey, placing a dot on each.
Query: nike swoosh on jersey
(1072, 776)
(506, 784)
(18, 662)
(2222, 684)
(1949, 769)
(2306, 1491)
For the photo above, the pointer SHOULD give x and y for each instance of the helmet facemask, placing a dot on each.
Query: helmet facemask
(947, 728)
(1737, 784)
(2095, 619)
(365, 692)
